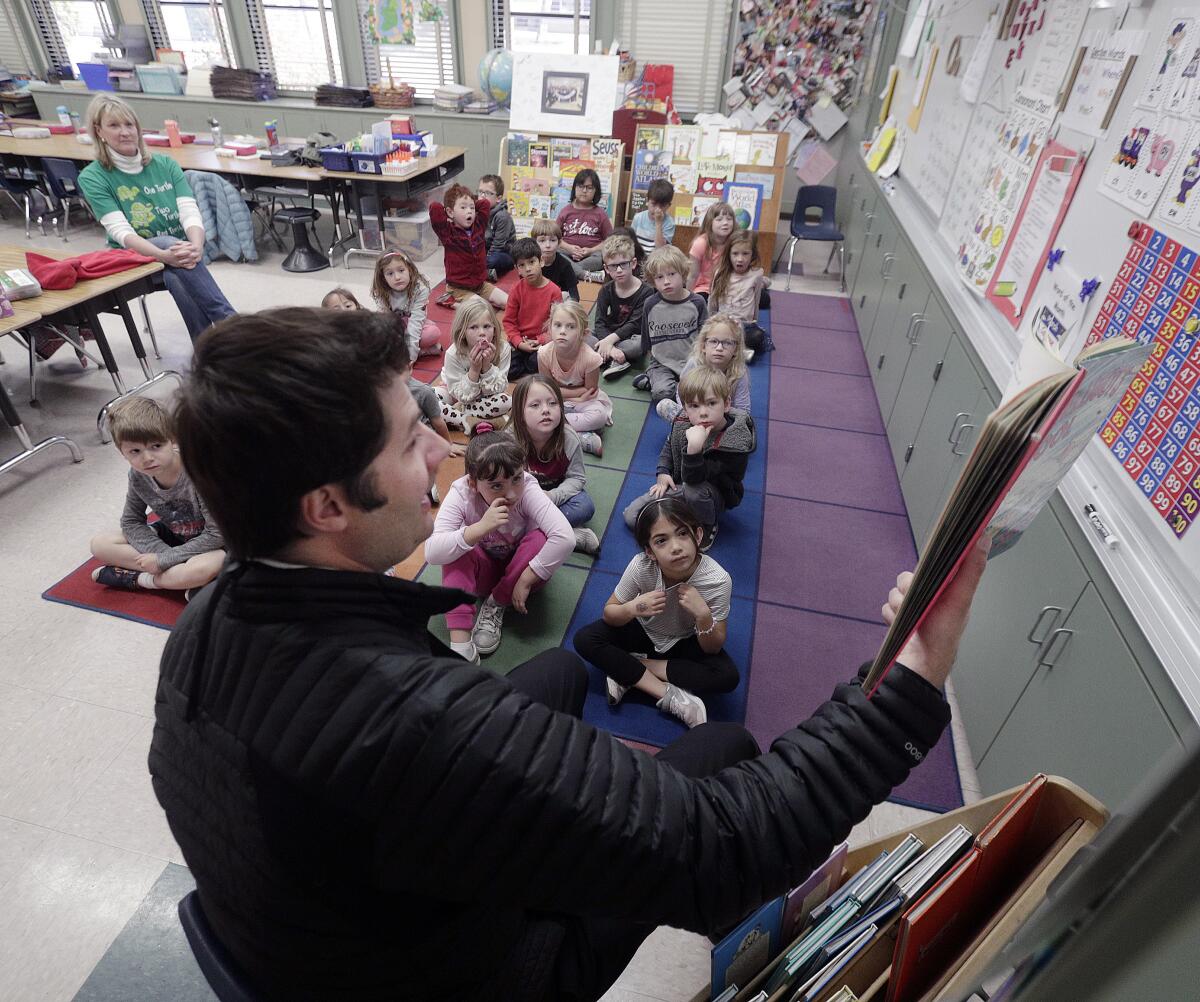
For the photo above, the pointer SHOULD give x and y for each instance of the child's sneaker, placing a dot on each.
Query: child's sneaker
(435, 496)
(709, 537)
(116, 577)
(592, 444)
(641, 381)
(587, 542)
(668, 410)
(748, 355)
(615, 369)
(431, 351)
(682, 704)
(486, 635)
(594, 276)
(616, 691)
(447, 300)
(466, 651)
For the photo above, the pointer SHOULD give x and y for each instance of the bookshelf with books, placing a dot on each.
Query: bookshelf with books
(746, 169)
(538, 170)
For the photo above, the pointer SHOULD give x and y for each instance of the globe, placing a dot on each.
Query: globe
(742, 216)
(495, 75)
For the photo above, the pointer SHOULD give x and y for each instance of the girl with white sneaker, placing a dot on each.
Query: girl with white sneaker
(568, 360)
(498, 536)
(473, 385)
(664, 625)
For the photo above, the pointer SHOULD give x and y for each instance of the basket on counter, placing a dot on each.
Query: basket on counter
(393, 95)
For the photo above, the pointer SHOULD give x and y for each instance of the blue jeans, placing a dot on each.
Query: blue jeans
(578, 508)
(196, 293)
(500, 261)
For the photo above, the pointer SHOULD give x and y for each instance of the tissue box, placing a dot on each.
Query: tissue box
(17, 283)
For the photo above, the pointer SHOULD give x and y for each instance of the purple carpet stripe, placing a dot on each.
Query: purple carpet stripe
(804, 310)
(821, 350)
(799, 657)
(833, 400)
(837, 467)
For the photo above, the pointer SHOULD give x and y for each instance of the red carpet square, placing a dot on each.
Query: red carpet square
(154, 608)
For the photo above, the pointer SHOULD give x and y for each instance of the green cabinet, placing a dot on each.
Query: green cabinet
(874, 272)
(900, 310)
(1088, 712)
(857, 227)
(928, 343)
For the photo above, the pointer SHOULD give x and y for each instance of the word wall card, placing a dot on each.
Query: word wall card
(1153, 430)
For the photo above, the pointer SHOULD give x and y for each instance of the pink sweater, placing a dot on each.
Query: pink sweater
(463, 506)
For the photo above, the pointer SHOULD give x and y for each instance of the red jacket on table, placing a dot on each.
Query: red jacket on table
(466, 250)
(528, 310)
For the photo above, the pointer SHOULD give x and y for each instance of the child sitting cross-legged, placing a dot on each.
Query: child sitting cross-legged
(460, 222)
(528, 308)
(671, 318)
(473, 386)
(553, 454)
(737, 287)
(664, 625)
(720, 346)
(619, 306)
(575, 367)
(184, 548)
(499, 537)
(585, 225)
(705, 455)
(399, 286)
(556, 266)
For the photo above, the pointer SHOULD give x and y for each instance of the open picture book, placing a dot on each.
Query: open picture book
(1024, 450)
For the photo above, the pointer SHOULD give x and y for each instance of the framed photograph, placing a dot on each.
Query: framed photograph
(564, 93)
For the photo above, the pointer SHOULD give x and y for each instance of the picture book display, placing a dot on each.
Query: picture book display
(538, 172)
(1024, 449)
(1152, 429)
(1011, 155)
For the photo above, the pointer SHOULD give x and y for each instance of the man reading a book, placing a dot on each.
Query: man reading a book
(368, 816)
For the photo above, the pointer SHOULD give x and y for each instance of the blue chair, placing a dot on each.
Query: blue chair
(21, 187)
(62, 178)
(220, 970)
(814, 217)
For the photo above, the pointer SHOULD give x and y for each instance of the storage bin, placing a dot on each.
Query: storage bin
(411, 232)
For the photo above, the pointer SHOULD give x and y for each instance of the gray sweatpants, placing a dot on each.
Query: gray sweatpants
(705, 500)
(664, 383)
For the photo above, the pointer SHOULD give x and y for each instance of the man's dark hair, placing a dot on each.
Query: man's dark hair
(660, 192)
(525, 248)
(279, 403)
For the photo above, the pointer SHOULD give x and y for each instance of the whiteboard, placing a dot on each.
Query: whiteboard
(1157, 574)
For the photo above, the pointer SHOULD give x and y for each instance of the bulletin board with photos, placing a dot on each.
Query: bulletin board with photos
(538, 172)
(743, 168)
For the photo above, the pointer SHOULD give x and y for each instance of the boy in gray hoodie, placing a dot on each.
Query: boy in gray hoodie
(501, 231)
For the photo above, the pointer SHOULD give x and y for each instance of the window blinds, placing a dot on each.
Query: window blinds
(425, 65)
(14, 53)
(46, 26)
(154, 22)
(694, 37)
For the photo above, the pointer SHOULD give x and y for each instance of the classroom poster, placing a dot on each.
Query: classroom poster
(1184, 96)
(1167, 58)
(972, 78)
(1139, 167)
(1056, 313)
(969, 175)
(1107, 62)
(1010, 157)
(1036, 225)
(1180, 205)
(1057, 49)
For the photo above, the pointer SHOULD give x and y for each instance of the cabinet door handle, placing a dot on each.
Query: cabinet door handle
(914, 333)
(1051, 654)
(958, 439)
(886, 268)
(960, 416)
(1038, 641)
(908, 330)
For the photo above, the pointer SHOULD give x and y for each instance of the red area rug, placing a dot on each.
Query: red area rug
(444, 318)
(154, 608)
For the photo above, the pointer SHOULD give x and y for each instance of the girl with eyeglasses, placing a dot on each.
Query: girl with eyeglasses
(618, 323)
(720, 346)
(585, 225)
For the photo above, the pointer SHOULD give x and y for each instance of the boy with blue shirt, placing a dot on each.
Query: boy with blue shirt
(653, 226)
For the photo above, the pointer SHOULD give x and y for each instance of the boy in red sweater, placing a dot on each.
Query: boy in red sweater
(528, 309)
(460, 223)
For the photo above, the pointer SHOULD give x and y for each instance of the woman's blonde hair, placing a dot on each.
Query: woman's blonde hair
(110, 104)
(578, 313)
(469, 311)
(737, 364)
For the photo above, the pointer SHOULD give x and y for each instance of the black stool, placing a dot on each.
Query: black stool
(304, 257)
(222, 973)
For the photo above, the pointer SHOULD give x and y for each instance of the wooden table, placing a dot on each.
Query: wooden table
(82, 306)
(255, 172)
(12, 325)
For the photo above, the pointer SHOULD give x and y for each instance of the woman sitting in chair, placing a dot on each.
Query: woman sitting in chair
(145, 205)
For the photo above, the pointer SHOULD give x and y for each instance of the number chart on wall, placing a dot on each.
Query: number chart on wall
(1153, 429)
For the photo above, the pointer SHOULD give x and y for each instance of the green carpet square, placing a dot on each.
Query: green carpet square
(545, 626)
(603, 485)
(621, 439)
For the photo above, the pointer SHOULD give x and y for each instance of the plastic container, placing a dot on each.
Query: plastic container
(411, 232)
(336, 158)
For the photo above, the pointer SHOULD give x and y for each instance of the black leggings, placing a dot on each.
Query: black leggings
(611, 649)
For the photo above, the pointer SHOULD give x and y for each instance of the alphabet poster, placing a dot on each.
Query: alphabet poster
(968, 177)
(1012, 153)
(1140, 165)
(1179, 206)
(1036, 225)
(1168, 59)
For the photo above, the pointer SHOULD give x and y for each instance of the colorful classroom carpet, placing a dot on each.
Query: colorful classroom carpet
(154, 608)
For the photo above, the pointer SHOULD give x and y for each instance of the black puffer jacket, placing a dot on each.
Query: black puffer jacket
(368, 817)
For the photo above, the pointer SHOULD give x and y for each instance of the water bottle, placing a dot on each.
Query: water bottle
(272, 133)
(218, 139)
(64, 116)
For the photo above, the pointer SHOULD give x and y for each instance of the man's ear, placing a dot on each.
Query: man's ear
(323, 510)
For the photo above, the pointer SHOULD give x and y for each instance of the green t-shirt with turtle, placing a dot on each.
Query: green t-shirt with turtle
(149, 200)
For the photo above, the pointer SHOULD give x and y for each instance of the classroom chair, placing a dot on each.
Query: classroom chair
(62, 178)
(220, 970)
(821, 201)
(21, 187)
(304, 256)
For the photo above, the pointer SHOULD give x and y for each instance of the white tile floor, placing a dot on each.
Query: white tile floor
(81, 836)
